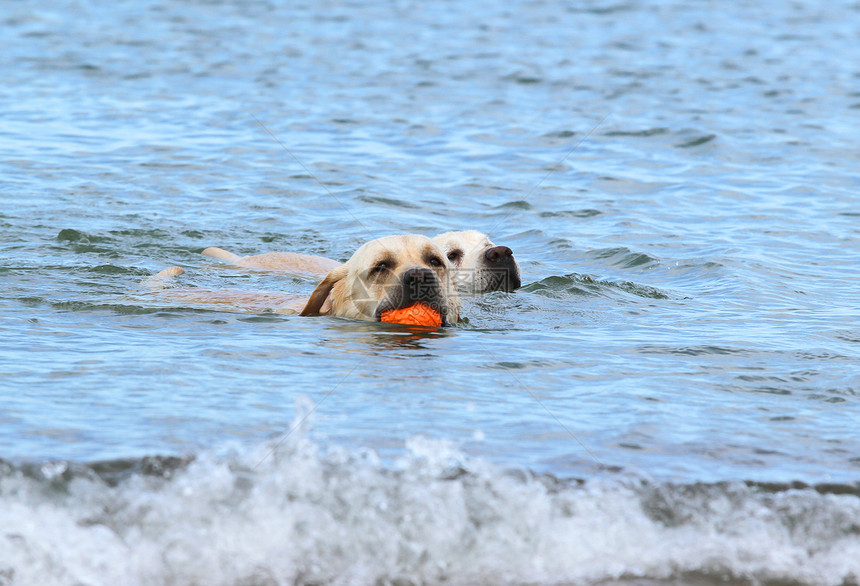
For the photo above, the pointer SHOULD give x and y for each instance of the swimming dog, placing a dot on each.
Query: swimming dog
(479, 265)
(388, 273)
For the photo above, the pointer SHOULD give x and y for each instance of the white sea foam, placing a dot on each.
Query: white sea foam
(293, 514)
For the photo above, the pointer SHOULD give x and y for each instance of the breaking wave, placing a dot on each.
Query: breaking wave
(293, 513)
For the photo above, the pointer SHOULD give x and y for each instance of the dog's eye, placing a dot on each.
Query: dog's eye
(436, 262)
(455, 255)
(380, 268)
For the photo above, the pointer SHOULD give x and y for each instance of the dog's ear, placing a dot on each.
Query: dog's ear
(321, 293)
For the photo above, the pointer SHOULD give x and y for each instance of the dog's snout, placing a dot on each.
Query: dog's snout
(498, 254)
(418, 285)
(418, 279)
(503, 274)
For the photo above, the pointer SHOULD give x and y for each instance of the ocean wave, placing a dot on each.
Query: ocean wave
(574, 284)
(290, 512)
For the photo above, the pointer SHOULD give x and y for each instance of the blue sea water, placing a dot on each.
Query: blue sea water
(670, 398)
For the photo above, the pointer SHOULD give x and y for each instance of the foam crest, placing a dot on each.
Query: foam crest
(292, 513)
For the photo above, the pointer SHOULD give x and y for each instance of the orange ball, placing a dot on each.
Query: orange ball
(419, 314)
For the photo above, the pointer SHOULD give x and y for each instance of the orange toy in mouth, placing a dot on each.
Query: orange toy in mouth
(419, 314)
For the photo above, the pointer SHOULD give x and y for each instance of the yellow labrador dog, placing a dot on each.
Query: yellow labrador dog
(479, 265)
(384, 274)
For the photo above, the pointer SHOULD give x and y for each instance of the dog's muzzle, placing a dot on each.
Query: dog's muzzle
(501, 264)
(416, 285)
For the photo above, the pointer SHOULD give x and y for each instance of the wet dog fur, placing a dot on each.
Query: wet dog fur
(387, 273)
(479, 266)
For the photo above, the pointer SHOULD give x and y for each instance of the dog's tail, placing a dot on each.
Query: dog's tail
(221, 254)
(158, 281)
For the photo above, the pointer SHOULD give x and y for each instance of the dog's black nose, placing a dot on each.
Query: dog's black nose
(419, 285)
(498, 253)
(418, 276)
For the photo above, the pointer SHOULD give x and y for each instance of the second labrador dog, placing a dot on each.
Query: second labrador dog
(479, 265)
(392, 272)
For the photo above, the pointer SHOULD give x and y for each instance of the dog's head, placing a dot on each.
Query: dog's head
(480, 265)
(388, 273)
